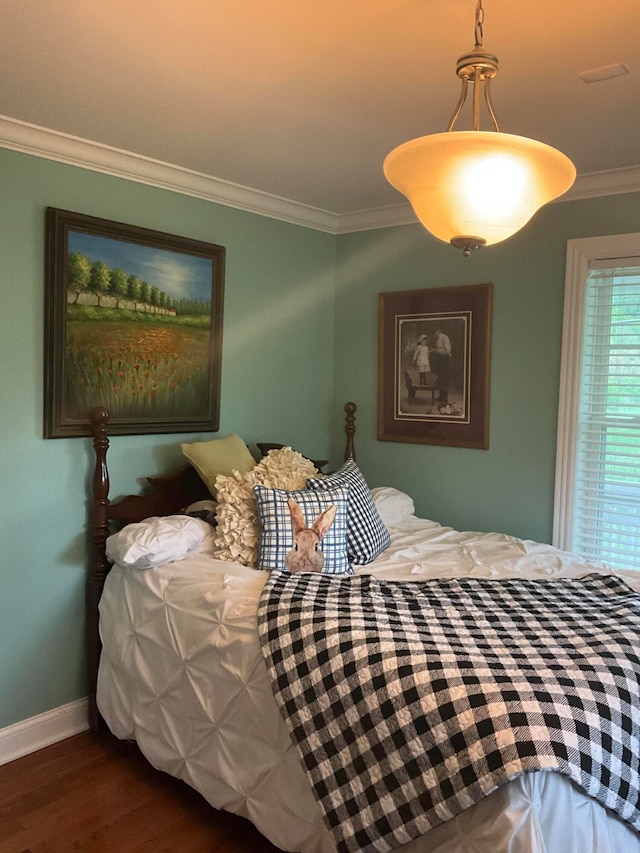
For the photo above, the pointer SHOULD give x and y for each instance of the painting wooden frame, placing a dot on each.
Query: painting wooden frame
(433, 366)
(133, 322)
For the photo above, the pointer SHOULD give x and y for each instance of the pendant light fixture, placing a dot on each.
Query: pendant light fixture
(475, 188)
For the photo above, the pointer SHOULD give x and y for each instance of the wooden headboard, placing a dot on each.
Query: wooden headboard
(165, 495)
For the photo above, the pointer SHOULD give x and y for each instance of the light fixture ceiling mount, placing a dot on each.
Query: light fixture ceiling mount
(475, 188)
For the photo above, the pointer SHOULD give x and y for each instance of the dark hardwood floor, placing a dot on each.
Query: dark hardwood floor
(94, 793)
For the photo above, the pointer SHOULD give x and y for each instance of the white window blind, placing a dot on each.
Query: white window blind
(606, 500)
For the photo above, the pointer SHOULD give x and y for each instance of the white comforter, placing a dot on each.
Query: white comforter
(182, 673)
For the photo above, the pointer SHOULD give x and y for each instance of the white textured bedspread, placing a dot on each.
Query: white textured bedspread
(182, 673)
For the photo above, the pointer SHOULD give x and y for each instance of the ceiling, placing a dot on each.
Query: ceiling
(303, 100)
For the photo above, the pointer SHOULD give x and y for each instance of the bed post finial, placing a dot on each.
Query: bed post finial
(350, 429)
(98, 564)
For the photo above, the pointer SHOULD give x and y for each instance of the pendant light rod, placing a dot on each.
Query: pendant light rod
(480, 68)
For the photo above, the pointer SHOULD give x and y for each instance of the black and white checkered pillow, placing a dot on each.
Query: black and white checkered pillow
(276, 531)
(367, 537)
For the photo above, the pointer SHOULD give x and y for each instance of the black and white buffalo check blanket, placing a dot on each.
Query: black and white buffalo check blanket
(410, 701)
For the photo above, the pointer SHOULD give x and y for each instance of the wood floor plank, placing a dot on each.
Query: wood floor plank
(96, 794)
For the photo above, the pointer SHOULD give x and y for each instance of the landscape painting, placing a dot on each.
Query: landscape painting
(133, 323)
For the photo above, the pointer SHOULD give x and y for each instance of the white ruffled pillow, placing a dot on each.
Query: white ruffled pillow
(237, 531)
(394, 506)
(156, 540)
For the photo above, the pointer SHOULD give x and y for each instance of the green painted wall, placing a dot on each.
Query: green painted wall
(276, 386)
(300, 339)
(510, 486)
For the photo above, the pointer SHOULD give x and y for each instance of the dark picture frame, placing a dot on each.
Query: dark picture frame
(434, 354)
(133, 322)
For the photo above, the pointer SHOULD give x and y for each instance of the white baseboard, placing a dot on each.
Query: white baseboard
(37, 732)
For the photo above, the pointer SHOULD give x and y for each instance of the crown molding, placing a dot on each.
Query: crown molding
(608, 182)
(75, 151)
(378, 217)
(589, 185)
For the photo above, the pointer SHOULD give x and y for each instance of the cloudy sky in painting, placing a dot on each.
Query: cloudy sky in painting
(180, 275)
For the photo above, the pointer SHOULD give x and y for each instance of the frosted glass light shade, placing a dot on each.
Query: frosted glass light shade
(474, 183)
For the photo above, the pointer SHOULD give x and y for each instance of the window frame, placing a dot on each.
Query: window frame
(580, 253)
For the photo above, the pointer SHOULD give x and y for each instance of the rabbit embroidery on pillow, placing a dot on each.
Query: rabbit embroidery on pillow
(306, 556)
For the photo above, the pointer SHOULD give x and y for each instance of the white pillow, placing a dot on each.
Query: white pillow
(157, 540)
(394, 506)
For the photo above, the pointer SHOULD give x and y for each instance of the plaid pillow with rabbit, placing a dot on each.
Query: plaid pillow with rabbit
(303, 530)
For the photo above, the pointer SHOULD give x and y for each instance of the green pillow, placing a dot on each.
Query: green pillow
(219, 456)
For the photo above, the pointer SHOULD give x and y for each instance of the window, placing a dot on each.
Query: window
(597, 504)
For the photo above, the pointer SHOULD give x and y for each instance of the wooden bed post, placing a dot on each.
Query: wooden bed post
(98, 563)
(350, 429)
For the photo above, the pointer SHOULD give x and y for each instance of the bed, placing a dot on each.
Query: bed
(229, 677)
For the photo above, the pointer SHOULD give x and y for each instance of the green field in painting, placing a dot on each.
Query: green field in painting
(137, 365)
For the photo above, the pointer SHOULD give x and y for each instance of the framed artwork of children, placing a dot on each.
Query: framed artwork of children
(433, 365)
